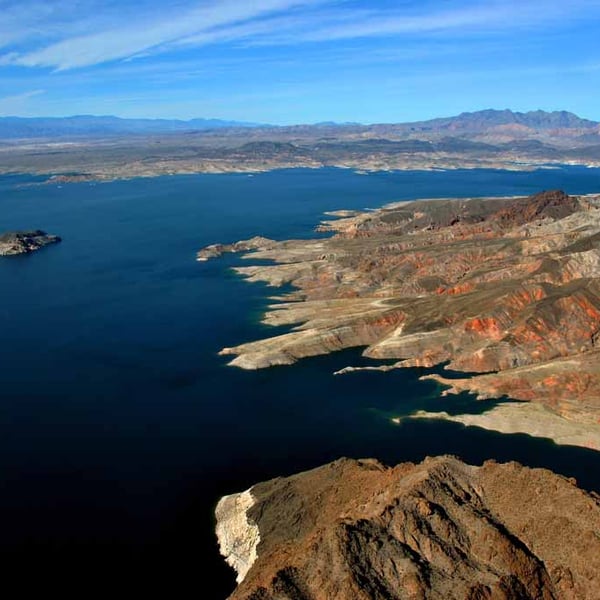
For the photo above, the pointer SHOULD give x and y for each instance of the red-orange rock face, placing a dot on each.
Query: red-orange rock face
(489, 327)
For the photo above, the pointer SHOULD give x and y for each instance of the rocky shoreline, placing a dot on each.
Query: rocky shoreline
(506, 290)
(103, 173)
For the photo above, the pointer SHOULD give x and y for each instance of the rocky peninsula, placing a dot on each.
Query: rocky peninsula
(24, 242)
(505, 290)
(441, 529)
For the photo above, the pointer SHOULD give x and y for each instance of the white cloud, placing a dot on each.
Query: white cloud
(33, 30)
(9, 58)
(479, 17)
(10, 105)
(150, 33)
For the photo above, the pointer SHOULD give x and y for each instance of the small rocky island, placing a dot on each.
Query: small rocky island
(438, 530)
(24, 242)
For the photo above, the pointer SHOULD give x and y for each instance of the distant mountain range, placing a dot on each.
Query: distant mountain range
(465, 123)
(101, 148)
(92, 126)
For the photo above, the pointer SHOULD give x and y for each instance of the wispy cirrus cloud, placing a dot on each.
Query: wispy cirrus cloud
(15, 103)
(82, 33)
(152, 32)
(462, 18)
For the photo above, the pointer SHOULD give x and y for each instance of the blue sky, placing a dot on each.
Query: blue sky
(294, 61)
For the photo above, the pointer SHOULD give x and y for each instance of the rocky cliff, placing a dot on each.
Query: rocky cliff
(22, 242)
(443, 530)
(508, 288)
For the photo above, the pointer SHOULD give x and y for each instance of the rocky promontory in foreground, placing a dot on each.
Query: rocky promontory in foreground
(23, 242)
(506, 290)
(443, 530)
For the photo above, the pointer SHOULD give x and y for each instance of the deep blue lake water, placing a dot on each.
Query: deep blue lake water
(120, 427)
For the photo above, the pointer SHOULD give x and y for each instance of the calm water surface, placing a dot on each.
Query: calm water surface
(120, 426)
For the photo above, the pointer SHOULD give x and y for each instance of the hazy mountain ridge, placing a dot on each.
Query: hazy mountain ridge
(472, 122)
(90, 125)
(102, 148)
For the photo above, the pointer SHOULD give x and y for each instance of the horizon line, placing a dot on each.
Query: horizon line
(325, 122)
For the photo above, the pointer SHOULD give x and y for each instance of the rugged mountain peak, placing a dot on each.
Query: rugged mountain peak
(538, 119)
(440, 529)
